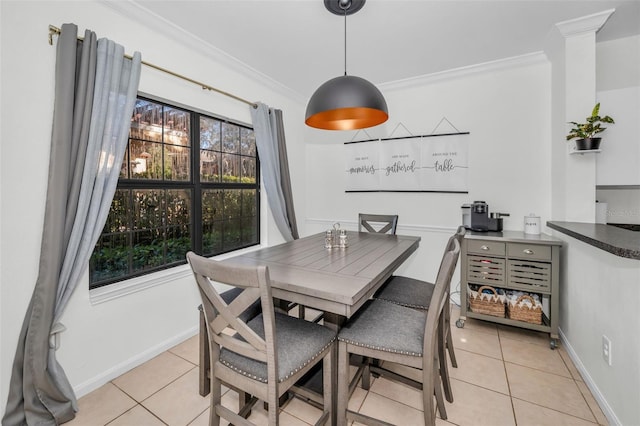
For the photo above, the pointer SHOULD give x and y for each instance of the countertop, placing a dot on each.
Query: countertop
(615, 240)
(514, 237)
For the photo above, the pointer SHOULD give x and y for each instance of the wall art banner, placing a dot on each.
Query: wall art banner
(431, 163)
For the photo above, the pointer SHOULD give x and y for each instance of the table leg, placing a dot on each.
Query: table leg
(334, 321)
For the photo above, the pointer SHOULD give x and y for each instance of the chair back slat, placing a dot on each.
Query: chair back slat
(440, 297)
(229, 317)
(458, 236)
(238, 346)
(219, 316)
(385, 223)
(222, 317)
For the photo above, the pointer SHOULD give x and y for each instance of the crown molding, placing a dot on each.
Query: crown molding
(146, 17)
(584, 25)
(485, 67)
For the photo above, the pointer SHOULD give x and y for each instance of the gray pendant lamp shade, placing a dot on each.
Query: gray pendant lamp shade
(346, 102)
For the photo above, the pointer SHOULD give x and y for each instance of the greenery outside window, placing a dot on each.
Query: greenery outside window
(189, 181)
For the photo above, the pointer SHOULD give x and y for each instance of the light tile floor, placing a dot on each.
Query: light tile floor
(505, 376)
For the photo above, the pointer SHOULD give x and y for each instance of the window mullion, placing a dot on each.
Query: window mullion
(196, 217)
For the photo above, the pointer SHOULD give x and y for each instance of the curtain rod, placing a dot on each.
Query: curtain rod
(56, 31)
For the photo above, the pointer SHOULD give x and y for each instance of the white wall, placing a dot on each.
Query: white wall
(618, 90)
(618, 63)
(104, 340)
(504, 106)
(600, 295)
(598, 291)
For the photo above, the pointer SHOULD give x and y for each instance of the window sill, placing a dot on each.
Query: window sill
(134, 285)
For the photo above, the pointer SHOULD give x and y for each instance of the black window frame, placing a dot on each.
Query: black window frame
(194, 185)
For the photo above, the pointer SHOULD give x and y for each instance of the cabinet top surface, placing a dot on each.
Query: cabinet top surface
(513, 237)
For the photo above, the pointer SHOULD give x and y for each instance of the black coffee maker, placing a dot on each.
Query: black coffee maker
(479, 216)
(481, 221)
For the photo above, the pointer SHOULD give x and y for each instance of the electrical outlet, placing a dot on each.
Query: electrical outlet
(606, 349)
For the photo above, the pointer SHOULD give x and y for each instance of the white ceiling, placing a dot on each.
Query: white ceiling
(300, 44)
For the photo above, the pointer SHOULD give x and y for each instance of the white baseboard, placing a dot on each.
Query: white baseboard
(118, 370)
(600, 399)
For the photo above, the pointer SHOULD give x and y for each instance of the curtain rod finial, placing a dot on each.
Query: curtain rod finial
(52, 30)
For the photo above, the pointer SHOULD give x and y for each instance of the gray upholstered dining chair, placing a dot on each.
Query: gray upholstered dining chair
(417, 294)
(264, 356)
(380, 223)
(397, 334)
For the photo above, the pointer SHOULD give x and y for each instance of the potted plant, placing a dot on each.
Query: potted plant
(585, 132)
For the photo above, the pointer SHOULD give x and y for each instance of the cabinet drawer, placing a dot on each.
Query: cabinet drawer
(529, 251)
(529, 276)
(485, 247)
(485, 270)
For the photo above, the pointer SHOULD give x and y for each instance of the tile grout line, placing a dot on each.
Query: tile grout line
(163, 387)
(556, 410)
(141, 406)
(506, 375)
(571, 378)
(580, 390)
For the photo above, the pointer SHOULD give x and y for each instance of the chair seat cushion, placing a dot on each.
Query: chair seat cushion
(407, 291)
(254, 309)
(386, 326)
(298, 343)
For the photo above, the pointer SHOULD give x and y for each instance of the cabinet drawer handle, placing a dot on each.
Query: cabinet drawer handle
(527, 251)
(485, 248)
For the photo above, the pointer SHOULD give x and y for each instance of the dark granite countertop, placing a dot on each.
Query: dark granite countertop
(615, 240)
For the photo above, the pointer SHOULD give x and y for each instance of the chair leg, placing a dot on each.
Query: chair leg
(204, 383)
(448, 339)
(444, 370)
(442, 357)
(343, 384)
(366, 373)
(216, 396)
(245, 403)
(437, 384)
(329, 399)
(452, 354)
(427, 401)
(273, 410)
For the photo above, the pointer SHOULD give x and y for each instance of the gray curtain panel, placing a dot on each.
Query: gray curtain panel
(94, 98)
(285, 178)
(271, 146)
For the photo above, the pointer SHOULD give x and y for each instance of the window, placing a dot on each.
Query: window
(189, 181)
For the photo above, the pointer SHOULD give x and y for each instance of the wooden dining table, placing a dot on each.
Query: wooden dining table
(336, 281)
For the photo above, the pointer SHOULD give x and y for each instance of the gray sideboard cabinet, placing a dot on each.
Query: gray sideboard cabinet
(512, 261)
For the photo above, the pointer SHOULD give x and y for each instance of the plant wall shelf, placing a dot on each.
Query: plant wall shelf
(585, 151)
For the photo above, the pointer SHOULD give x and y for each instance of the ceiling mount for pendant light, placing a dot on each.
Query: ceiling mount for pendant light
(346, 102)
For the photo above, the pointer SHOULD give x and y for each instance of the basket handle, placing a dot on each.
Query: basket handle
(526, 296)
(495, 293)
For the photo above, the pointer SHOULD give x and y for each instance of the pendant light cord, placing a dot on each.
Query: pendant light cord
(345, 42)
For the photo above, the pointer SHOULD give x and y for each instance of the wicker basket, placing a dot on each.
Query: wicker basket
(522, 312)
(487, 304)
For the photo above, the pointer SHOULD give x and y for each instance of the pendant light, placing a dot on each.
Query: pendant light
(346, 102)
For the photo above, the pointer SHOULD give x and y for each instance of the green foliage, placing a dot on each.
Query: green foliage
(155, 229)
(227, 178)
(592, 127)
